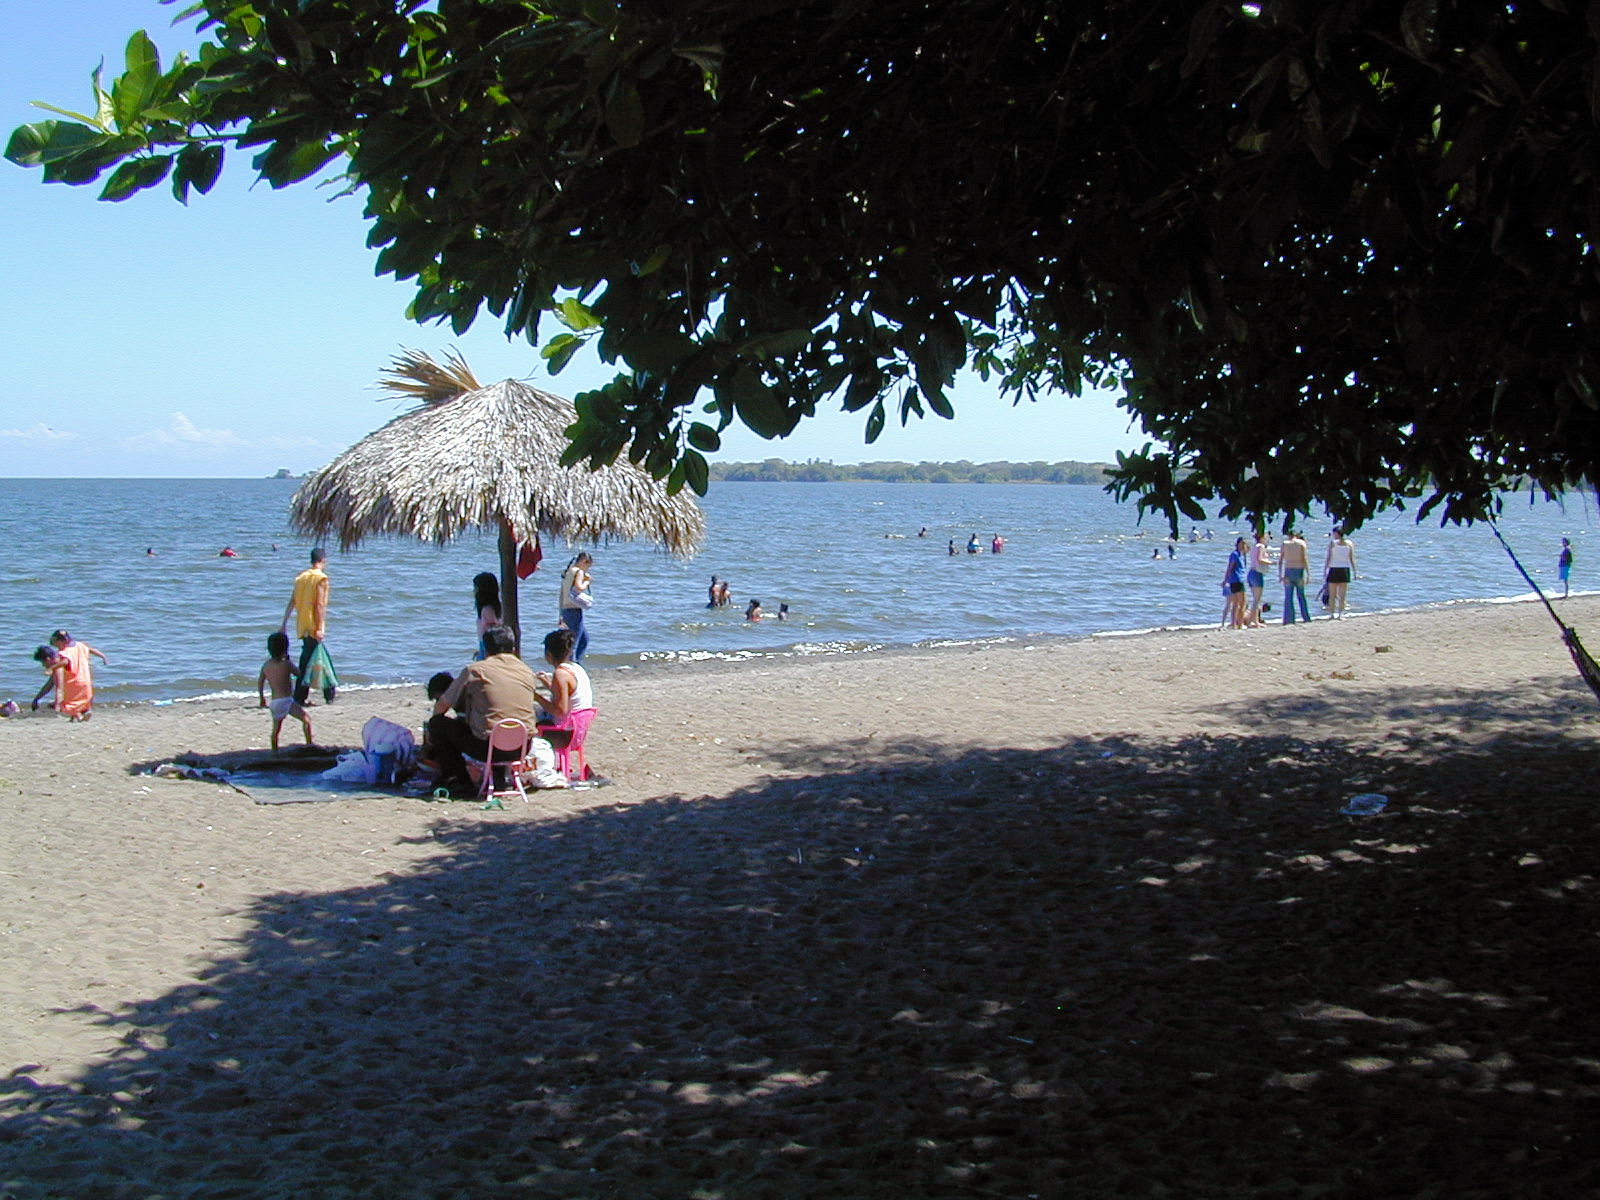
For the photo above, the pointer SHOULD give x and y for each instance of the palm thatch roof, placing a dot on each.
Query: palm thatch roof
(473, 457)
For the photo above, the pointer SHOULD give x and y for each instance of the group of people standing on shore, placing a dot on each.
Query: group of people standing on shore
(1250, 561)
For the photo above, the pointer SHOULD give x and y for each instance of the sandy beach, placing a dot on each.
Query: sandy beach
(1055, 919)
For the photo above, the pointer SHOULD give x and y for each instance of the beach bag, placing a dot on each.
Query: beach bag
(577, 599)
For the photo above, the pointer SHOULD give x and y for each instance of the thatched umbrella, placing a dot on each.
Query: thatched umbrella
(473, 457)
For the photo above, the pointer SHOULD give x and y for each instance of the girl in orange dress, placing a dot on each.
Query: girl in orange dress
(74, 679)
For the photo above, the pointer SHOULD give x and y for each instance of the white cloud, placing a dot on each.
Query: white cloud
(38, 432)
(184, 432)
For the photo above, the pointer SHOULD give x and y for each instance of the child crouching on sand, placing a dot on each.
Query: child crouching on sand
(278, 673)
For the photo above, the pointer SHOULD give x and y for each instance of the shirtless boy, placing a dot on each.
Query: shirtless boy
(278, 673)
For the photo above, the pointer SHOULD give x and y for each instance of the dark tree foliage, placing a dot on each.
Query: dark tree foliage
(1336, 251)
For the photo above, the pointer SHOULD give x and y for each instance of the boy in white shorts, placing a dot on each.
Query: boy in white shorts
(278, 673)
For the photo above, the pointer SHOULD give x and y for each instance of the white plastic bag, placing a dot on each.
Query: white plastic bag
(542, 757)
(354, 767)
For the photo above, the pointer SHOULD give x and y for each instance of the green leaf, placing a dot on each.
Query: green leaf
(51, 141)
(142, 58)
(875, 421)
(135, 174)
(696, 471)
(197, 167)
(1202, 34)
(105, 116)
(303, 160)
(64, 112)
(602, 12)
(658, 352)
(1419, 25)
(703, 437)
(775, 345)
(707, 58)
(625, 116)
(757, 405)
(576, 315)
(135, 88)
(558, 351)
(654, 263)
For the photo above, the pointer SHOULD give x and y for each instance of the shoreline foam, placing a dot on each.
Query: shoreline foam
(677, 660)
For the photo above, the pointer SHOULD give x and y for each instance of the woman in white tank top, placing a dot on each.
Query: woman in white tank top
(1339, 567)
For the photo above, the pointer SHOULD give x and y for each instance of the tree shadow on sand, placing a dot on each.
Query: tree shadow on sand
(1115, 967)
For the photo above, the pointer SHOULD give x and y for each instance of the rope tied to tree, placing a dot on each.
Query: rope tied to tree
(1581, 658)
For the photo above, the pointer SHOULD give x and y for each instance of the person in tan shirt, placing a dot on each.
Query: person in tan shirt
(1293, 562)
(496, 688)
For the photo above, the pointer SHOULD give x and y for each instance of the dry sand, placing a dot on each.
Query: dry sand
(1059, 919)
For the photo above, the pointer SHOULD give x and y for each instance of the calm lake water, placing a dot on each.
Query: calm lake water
(844, 556)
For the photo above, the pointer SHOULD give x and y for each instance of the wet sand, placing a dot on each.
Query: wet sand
(1052, 919)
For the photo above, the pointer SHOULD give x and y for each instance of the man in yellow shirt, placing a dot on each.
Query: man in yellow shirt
(309, 603)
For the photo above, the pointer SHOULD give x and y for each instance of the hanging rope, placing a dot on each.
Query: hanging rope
(1581, 658)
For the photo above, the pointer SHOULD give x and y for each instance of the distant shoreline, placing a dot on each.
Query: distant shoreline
(774, 470)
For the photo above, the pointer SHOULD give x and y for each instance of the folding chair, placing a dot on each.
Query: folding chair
(508, 747)
(569, 758)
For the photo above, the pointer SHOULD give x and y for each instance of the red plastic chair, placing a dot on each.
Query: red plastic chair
(508, 749)
(570, 757)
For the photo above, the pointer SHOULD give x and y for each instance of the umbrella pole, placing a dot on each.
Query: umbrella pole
(508, 582)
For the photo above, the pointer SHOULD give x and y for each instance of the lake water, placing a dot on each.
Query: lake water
(844, 556)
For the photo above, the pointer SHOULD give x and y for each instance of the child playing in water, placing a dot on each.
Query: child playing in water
(278, 673)
(50, 660)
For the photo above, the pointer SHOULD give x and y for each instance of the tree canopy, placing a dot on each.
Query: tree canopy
(1337, 252)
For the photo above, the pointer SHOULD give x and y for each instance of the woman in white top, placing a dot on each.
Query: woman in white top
(1339, 567)
(574, 599)
(486, 599)
(565, 688)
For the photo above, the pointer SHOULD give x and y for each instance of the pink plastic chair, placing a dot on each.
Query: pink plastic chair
(569, 758)
(508, 748)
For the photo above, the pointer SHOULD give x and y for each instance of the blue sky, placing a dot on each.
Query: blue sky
(243, 333)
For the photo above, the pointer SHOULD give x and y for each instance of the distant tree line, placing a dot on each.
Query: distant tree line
(776, 470)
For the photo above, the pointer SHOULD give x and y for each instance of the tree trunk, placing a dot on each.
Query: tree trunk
(508, 582)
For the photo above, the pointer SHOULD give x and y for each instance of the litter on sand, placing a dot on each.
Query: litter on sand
(1365, 805)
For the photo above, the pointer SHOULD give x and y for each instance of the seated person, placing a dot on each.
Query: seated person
(565, 687)
(496, 688)
(438, 683)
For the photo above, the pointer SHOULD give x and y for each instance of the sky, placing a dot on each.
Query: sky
(243, 334)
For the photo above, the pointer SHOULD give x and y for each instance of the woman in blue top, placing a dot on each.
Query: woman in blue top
(1233, 585)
